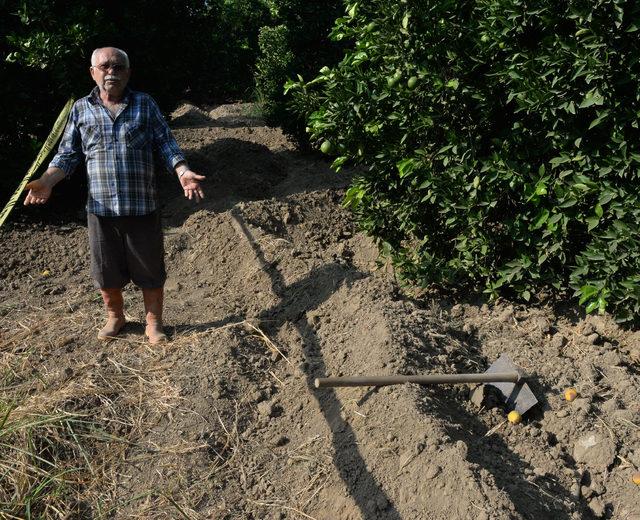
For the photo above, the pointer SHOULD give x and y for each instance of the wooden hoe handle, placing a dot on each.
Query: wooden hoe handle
(433, 379)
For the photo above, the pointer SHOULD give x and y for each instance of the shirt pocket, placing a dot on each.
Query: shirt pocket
(92, 138)
(137, 136)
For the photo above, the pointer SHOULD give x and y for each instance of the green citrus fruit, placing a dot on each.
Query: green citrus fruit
(411, 82)
(326, 147)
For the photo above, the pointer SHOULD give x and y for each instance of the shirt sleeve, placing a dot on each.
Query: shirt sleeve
(163, 139)
(70, 149)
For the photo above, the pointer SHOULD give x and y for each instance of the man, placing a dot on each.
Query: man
(117, 130)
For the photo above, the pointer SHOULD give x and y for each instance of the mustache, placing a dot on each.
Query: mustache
(111, 77)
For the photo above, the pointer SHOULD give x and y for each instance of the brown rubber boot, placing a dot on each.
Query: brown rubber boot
(115, 313)
(153, 299)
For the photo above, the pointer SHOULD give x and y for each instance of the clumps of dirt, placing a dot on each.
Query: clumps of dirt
(270, 286)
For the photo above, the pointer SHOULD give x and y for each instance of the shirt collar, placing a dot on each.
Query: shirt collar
(94, 97)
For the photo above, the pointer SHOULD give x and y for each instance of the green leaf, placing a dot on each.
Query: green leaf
(592, 307)
(453, 83)
(592, 222)
(593, 97)
(587, 291)
(599, 211)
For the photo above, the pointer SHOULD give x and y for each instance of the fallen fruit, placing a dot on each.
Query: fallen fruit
(570, 394)
(635, 478)
(514, 417)
(46, 272)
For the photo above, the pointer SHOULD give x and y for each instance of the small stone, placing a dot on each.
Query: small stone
(558, 341)
(478, 395)
(265, 408)
(432, 472)
(539, 472)
(456, 311)
(469, 328)
(381, 502)
(461, 448)
(595, 450)
(588, 329)
(610, 405)
(597, 486)
(593, 339)
(597, 506)
(612, 358)
(575, 491)
(587, 492)
(506, 316)
(562, 413)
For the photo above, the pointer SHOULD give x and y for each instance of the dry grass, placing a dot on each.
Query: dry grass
(84, 425)
(69, 422)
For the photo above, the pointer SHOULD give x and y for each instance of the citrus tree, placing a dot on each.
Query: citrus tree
(497, 140)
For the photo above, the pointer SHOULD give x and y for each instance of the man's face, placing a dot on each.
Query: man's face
(110, 72)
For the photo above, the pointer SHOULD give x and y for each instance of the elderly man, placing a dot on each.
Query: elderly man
(117, 131)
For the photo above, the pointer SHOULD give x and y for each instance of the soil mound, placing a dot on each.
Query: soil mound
(270, 286)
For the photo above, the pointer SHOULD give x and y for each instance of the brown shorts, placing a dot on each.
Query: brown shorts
(126, 249)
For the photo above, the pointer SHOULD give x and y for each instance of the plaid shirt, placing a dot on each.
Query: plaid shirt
(118, 152)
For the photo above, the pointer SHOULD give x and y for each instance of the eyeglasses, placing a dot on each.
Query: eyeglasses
(116, 67)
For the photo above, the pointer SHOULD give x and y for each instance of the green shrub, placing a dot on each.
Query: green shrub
(499, 141)
(274, 65)
(296, 43)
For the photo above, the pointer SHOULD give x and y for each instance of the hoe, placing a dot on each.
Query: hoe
(502, 374)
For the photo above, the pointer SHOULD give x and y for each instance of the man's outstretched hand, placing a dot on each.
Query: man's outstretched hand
(190, 182)
(39, 192)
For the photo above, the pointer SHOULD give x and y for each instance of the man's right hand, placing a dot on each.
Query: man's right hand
(39, 192)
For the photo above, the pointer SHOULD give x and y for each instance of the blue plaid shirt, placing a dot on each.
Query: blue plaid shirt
(118, 152)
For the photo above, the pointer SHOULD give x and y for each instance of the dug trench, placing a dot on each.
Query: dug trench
(270, 286)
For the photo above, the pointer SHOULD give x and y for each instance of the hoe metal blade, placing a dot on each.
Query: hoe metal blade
(518, 396)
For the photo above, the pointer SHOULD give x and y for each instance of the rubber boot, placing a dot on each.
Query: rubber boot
(153, 299)
(115, 313)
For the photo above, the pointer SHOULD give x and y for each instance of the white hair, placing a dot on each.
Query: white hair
(119, 52)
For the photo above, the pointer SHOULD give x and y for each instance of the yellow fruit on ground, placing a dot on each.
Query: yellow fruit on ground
(636, 479)
(570, 394)
(514, 417)
(46, 272)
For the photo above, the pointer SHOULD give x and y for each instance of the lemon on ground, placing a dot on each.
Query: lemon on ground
(514, 417)
(570, 394)
(635, 478)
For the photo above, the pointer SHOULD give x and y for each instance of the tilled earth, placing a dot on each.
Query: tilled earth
(270, 286)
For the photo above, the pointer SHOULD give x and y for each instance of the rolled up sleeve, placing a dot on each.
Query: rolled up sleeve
(70, 149)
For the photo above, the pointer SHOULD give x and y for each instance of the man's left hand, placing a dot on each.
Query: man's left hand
(190, 182)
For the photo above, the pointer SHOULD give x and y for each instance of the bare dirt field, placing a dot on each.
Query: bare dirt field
(270, 286)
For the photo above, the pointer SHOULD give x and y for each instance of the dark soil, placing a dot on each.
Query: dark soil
(270, 286)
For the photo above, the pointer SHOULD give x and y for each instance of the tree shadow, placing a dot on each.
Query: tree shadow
(296, 300)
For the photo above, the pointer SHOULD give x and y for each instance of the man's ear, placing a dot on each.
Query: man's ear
(91, 73)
